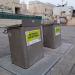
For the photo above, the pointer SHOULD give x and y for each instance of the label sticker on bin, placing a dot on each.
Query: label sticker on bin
(33, 37)
(57, 30)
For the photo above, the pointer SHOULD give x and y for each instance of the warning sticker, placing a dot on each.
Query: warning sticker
(57, 30)
(33, 36)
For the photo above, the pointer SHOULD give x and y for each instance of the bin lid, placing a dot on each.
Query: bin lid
(31, 23)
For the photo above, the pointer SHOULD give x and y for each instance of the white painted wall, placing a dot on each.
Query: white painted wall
(68, 11)
(9, 22)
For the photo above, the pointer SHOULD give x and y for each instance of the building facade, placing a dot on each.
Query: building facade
(65, 11)
(12, 6)
(38, 8)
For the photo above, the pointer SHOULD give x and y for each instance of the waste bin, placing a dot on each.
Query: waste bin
(52, 35)
(26, 43)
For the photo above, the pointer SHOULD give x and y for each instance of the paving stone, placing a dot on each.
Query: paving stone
(4, 44)
(41, 67)
(64, 48)
(4, 72)
(72, 71)
(65, 65)
(67, 62)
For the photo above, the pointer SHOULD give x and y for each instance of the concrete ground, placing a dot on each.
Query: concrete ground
(4, 50)
(66, 66)
(71, 22)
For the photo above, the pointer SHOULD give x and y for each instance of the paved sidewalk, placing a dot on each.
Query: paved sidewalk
(4, 44)
(51, 58)
(66, 66)
(4, 72)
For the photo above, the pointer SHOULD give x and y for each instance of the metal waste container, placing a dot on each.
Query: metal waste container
(52, 35)
(26, 43)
